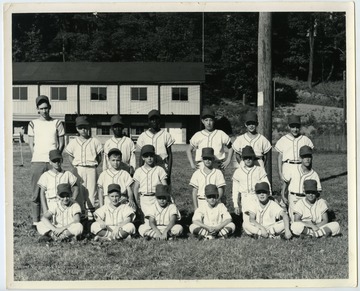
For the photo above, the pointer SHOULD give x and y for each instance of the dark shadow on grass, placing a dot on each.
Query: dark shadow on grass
(333, 177)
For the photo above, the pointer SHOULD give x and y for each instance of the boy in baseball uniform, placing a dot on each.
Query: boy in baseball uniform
(115, 175)
(311, 216)
(244, 180)
(264, 216)
(161, 140)
(163, 217)
(293, 189)
(212, 220)
(146, 178)
(113, 221)
(257, 141)
(85, 155)
(45, 134)
(121, 142)
(49, 181)
(62, 220)
(205, 176)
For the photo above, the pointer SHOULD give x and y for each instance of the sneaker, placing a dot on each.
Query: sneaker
(224, 236)
(172, 238)
(44, 239)
(96, 238)
(33, 227)
(209, 237)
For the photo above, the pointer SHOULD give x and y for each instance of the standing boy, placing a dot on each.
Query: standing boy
(85, 155)
(62, 220)
(121, 142)
(115, 175)
(212, 219)
(114, 219)
(45, 134)
(210, 137)
(146, 178)
(310, 214)
(244, 181)
(293, 190)
(49, 181)
(205, 176)
(257, 141)
(161, 140)
(264, 216)
(162, 217)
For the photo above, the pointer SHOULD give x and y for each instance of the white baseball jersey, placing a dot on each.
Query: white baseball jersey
(112, 216)
(289, 146)
(160, 140)
(112, 176)
(84, 152)
(200, 179)
(311, 212)
(124, 144)
(259, 144)
(51, 179)
(149, 178)
(211, 216)
(216, 139)
(46, 134)
(63, 215)
(244, 180)
(163, 216)
(296, 179)
(267, 215)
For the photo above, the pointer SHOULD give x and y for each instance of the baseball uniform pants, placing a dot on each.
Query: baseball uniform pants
(37, 169)
(227, 229)
(297, 228)
(146, 203)
(129, 228)
(246, 200)
(146, 230)
(292, 198)
(75, 228)
(272, 229)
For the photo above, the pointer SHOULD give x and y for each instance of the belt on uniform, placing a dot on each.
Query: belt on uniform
(86, 166)
(148, 194)
(298, 194)
(292, 162)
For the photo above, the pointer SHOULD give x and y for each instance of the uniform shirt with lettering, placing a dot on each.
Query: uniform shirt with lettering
(268, 215)
(289, 146)
(162, 215)
(63, 215)
(160, 140)
(200, 179)
(311, 212)
(112, 176)
(50, 180)
(113, 216)
(259, 143)
(296, 179)
(149, 178)
(211, 216)
(84, 152)
(124, 144)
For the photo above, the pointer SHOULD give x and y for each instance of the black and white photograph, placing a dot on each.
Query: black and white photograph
(180, 145)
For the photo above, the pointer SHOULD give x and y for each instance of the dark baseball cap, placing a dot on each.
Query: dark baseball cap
(294, 119)
(54, 155)
(310, 186)
(41, 99)
(207, 112)
(63, 188)
(114, 151)
(147, 149)
(162, 191)
(81, 120)
(211, 189)
(262, 187)
(251, 116)
(114, 188)
(248, 151)
(207, 153)
(305, 151)
(116, 119)
(153, 113)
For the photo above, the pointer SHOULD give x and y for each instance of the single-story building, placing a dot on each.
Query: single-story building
(101, 90)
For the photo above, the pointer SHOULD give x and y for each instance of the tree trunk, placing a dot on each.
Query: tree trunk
(264, 82)
(311, 55)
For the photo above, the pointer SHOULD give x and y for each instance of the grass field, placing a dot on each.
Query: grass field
(239, 257)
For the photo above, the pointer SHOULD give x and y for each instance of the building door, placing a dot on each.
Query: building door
(177, 132)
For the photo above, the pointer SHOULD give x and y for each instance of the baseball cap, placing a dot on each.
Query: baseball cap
(305, 151)
(41, 99)
(207, 153)
(114, 151)
(147, 149)
(262, 187)
(81, 120)
(63, 188)
(162, 191)
(211, 189)
(251, 116)
(310, 186)
(248, 151)
(153, 113)
(207, 112)
(116, 119)
(114, 188)
(54, 154)
(294, 119)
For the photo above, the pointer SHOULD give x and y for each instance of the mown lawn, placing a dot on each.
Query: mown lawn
(239, 257)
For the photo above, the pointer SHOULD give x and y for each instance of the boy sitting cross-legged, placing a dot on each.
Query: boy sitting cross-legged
(114, 219)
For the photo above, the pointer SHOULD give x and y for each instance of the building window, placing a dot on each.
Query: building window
(180, 94)
(98, 93)
(20, 93)
(58, 93)
(138, 94)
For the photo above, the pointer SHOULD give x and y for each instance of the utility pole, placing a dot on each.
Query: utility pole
(264, 83)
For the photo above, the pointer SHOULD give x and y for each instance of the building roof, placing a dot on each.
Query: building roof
(115, 72)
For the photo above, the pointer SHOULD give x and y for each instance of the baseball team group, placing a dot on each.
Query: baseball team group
(82, 203)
